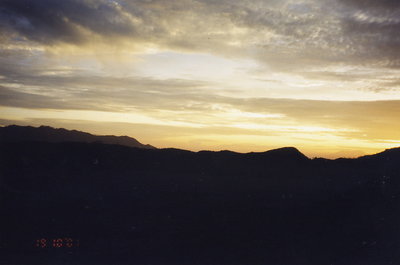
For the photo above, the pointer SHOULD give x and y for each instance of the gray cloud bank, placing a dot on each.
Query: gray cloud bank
(313, 32)
(197, 103)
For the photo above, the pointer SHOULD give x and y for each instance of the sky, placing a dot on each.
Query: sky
(240, 75)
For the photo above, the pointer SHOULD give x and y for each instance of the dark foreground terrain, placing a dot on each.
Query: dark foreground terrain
(95, 203)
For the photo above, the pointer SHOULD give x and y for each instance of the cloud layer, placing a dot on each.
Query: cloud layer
(329, 31)
(90, 55)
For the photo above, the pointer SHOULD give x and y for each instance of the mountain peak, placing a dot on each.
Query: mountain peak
(15, 133)
(286, 152)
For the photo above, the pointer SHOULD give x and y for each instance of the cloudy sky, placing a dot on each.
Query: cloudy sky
(244, 75)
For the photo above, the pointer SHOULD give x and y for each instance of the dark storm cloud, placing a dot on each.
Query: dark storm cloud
(371, 4)
(373, 28)
(314, 33)
(48, 21)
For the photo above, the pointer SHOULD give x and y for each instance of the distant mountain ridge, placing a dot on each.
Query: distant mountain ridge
(15, 133)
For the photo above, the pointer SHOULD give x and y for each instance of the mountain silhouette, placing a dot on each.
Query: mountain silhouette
(169, 206)
(14, 133)
(285, 153)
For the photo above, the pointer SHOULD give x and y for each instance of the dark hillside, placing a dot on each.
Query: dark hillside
(14, 133)
(168, 206)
